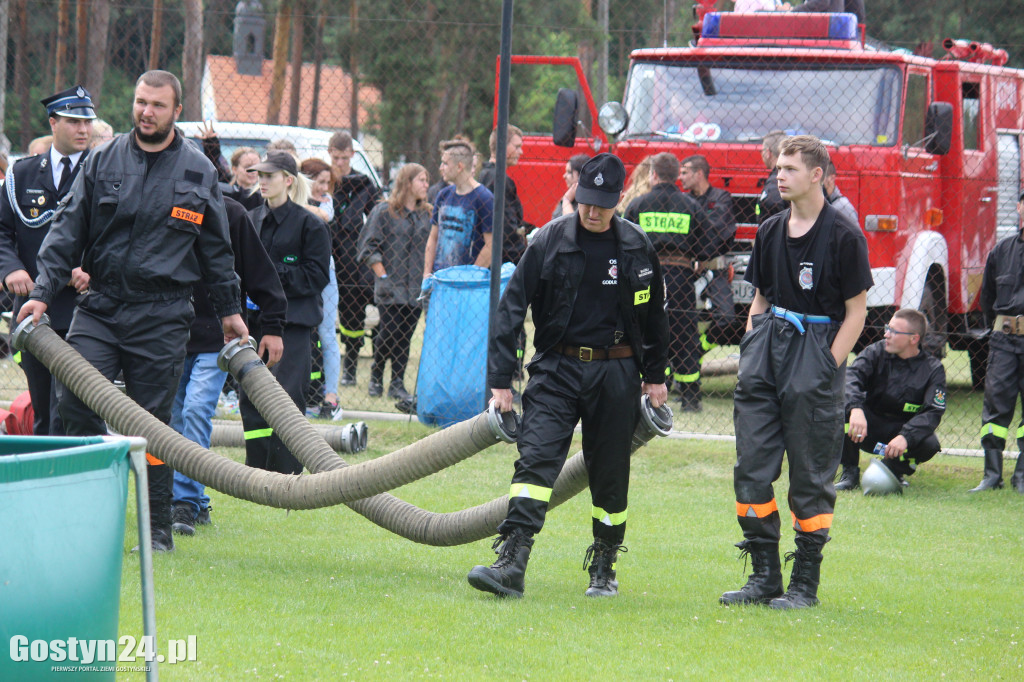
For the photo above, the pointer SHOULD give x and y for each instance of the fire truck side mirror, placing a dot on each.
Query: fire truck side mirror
(563, 129)
(938, 128)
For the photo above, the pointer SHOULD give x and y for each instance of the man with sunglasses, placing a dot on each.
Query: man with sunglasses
(895, 397)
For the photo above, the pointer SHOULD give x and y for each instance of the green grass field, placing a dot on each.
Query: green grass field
(922, 586)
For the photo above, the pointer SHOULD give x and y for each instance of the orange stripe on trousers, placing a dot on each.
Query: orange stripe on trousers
(762, 510)
(812, 524)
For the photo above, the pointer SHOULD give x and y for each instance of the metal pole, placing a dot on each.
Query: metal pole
(498, 224)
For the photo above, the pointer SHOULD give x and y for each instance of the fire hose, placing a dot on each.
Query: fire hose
(332, 481)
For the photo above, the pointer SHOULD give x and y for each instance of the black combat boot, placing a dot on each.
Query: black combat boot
(161, 480)
(183, 521)
(505, 577)
(691, 397)
(993, 478)
(397, 390)
(1017, 480)
(375, 388)
(601, 557)
(765, 583)
(850, 479)
(803, 583)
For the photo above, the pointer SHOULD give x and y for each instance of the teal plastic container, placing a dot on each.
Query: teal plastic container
(62, 524)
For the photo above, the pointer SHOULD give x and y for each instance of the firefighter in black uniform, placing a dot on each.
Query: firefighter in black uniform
(895, 395)
(595, 289)
(1002, 302)
(678, 228)
(770, 202)
(717, 203)
(27, 205)
(354, 197)
(298, 245)
(145, 219)
(810, 270)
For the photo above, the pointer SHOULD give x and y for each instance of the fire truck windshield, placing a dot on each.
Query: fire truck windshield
(841, 104)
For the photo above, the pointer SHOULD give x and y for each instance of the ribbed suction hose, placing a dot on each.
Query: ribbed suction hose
(337, 484)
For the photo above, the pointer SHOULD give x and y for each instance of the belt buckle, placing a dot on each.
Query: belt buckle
(590, 354)
(1009, 325)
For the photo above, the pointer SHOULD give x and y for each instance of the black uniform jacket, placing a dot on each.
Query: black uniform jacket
(717, 203)
(547, 279)
(512, 245)
(770, 202)
(673, 221)
(354, 198)
(142, 235)
(299, 247)
(25, 223)
(259, 282)
(1002, 286)
(911, 391)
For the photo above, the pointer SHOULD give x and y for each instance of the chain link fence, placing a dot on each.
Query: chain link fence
(925, 138)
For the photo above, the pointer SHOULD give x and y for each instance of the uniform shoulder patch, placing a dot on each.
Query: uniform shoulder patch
(940, 399)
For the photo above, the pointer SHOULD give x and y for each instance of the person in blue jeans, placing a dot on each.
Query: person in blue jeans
(201, 379)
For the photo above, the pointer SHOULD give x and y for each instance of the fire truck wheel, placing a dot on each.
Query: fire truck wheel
(933, 305)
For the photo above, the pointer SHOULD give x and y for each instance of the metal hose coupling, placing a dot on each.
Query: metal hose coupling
(20, 334)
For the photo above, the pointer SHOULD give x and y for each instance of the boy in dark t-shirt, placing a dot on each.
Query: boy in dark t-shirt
(811, 274)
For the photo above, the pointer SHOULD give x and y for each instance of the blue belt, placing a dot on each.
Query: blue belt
(799, 319)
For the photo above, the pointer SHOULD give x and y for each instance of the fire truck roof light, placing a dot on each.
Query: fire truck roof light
(781, 25)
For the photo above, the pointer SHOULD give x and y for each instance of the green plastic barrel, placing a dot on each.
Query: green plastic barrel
(62, 518)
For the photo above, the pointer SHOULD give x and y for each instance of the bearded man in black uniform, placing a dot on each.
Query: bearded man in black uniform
(896, 396)
(33, 188)
(595, 289)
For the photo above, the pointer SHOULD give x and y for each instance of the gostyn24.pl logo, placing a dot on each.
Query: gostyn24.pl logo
(89, 651)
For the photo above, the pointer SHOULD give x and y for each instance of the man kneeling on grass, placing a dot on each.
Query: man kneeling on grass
(895, 396)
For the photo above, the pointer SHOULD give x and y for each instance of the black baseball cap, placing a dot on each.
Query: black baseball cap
(601, 181)
(277, 161)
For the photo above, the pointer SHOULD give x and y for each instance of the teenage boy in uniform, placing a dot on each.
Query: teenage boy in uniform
(810, 270)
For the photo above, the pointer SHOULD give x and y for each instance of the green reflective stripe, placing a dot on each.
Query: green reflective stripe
(991, 429)
(846, 428)
(313, 376)
(519, 352)
(17, 357)
(258, 433)
(687, 378)
(757, 209)
(616, 519)
(1020, 431)
(352, 334)
(911, 407)
(534, 492)
(673, 223)
(668, 371)
(642, 296)
(318, 344)
(706, 345)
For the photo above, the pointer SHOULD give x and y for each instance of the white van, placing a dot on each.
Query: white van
(308, 142)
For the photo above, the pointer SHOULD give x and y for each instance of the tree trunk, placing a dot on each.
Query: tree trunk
(61, 44)
(97, 60)
(157, 34)
(298, 23)
(353, 68)
(81, 39)
(192, 60)
(21, 83)
(282, 27)
(318, 60)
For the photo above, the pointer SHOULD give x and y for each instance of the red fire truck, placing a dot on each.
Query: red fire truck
(927, 150)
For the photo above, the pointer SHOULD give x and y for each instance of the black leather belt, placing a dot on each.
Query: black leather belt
(586, 354)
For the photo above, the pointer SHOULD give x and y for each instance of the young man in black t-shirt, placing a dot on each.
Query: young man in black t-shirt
(810, 270)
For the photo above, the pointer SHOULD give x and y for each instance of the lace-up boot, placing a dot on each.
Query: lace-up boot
(803, 583)
(601, 557)
(505, 577)
(765, 583)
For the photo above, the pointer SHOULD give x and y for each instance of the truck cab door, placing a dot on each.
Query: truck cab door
(539, 175)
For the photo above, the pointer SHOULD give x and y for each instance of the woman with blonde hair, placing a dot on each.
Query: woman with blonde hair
(300, 249)
(638, 185)
(392, 245)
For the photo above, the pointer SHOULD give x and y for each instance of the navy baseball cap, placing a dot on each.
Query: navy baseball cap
(277, 161)
(72, 103)
(601, 181)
